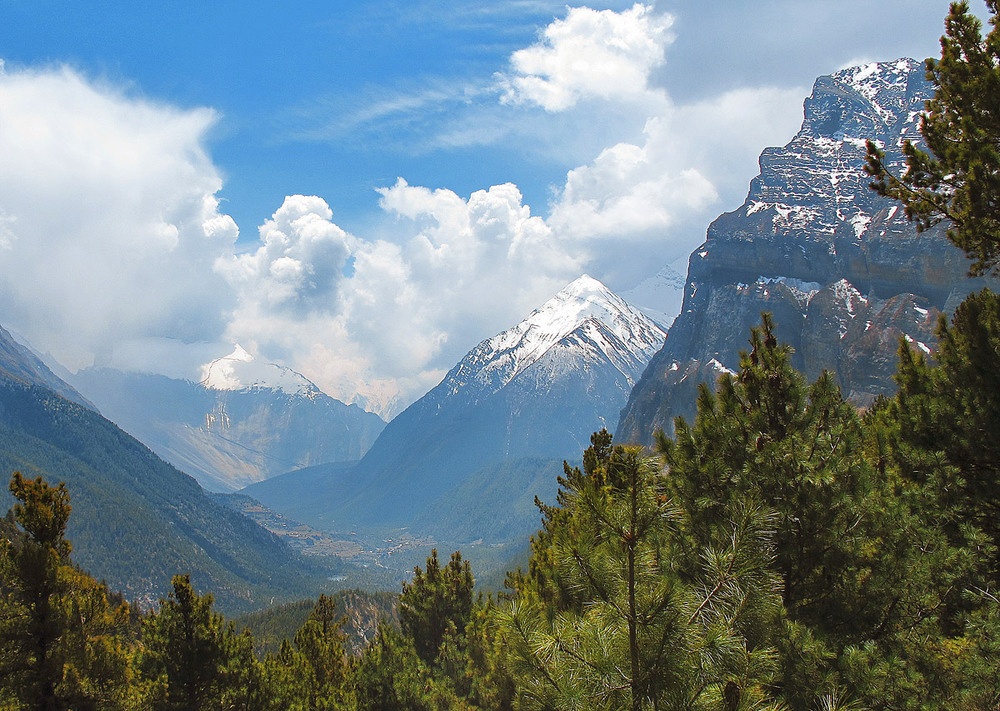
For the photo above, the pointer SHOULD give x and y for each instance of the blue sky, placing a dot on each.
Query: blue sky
(456, 164)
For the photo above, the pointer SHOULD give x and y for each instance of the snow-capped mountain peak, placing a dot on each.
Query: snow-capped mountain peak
(620, 332)
(240, 370)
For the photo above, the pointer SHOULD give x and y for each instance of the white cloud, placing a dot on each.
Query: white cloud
(603, 55)
(108, 220)
(638, 202)
(298, 267)
(112, 244)
(456, 271)
(623, 193)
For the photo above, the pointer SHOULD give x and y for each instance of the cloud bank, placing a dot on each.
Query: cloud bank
(590, 54)
(114, 250)
(109, 225)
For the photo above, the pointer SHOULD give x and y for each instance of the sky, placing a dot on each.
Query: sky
(365, 190)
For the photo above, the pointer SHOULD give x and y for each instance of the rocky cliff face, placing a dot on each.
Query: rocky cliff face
(841, 269)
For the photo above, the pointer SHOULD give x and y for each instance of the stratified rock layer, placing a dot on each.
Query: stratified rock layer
(843, 272)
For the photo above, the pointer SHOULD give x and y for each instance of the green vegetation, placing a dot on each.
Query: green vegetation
(780, 551)
(162, 523)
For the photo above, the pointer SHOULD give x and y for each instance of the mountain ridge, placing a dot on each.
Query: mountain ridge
(842, 271)
(245, 421)
(534, 392)
(136, 521)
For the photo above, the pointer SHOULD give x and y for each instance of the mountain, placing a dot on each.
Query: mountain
(136, 521)
(247, 419)
(841, 269)
(660, 296)
(491, 430)
(19, 365)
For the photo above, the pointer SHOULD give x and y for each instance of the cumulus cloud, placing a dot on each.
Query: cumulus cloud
(409, 307)
(590, 54)
(113, 247)
(109, 224)
(299, 264)
(652, 200)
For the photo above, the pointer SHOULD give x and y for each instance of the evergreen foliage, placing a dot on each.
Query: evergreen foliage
(57, 627)
(184, 650)
(781, 551)
(958, 177)
(652, 628)
(163, 522)
(767, 436)
(436, 605)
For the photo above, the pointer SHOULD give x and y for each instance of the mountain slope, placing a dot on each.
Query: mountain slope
(841, 269)
(19, 365)
(537, 390)
(136, 521)
(246, 421)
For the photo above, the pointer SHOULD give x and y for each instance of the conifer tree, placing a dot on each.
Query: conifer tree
(949, 418)
(33, 588)
(544, 583)
(62, 640)
(184, 651)
(958, 177)
(391, 677)
(437, 604)
(643, 636)
(767, 436)
(318, 667)
(857, 563)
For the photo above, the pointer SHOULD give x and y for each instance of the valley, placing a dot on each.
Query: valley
(435, 462)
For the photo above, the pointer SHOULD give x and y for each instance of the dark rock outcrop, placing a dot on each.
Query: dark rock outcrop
(842, 271)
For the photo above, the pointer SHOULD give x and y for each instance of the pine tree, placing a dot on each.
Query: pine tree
(184, 651)
(949, 415)
(767, 436)
(33, 588)
(958, 177)
(436, 603)
(859, 561)
(63, 641)
(321, 643)
(644, 636)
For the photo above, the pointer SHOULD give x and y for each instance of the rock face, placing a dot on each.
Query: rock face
(843, 272)
(537, 390)
(247, 421)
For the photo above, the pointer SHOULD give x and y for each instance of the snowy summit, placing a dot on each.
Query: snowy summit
(585, 307)
(240, 370)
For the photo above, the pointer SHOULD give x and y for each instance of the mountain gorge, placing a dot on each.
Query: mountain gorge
(842, 270)
(532, 394)
(247, 419)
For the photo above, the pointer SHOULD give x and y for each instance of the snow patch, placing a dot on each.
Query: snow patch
(241, 371)
(918, 344)
(717, 366)
(585, 314)
(860, 223)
